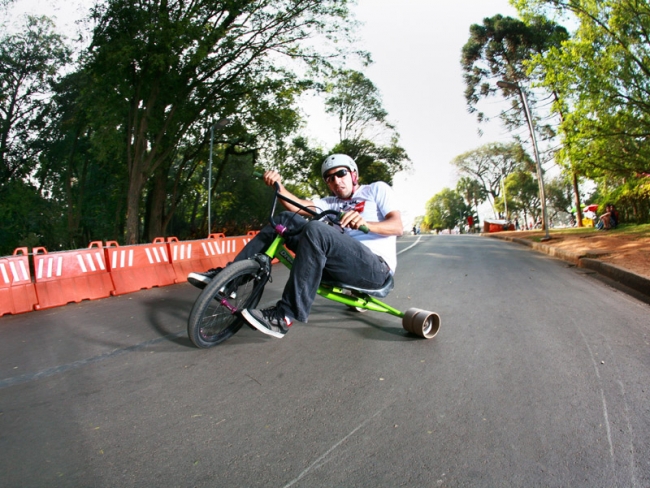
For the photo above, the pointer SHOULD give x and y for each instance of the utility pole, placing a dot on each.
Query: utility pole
(529, 120)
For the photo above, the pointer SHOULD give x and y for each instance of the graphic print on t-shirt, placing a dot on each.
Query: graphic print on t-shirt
(357, 206)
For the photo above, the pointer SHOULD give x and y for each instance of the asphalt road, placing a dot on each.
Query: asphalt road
(540, 376)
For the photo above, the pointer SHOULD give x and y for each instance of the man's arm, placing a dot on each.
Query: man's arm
(271, 177)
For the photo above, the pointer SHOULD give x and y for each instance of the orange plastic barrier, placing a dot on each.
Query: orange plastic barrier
(138, 267)
(70, 276)
(198, 255)
(17, 293)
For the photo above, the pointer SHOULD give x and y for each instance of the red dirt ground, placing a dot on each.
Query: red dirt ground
(625, 251)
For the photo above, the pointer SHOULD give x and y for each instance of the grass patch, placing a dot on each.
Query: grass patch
(642, 230)
(628, 230)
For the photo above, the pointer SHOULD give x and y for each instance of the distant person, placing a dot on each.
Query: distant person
(608, 220)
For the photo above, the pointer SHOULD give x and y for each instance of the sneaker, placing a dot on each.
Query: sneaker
(201, 280)
(269, 321)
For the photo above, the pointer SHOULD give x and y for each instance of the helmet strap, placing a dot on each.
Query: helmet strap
(355, 179)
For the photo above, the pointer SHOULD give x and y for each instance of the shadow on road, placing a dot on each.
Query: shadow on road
(168, 317)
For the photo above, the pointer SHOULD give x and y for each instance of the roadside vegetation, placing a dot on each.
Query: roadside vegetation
(116, 138)
(586, 88)
(632, 231)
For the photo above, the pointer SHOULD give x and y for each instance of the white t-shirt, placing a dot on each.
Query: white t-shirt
(373, 202)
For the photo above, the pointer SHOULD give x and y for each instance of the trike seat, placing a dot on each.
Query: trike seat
(380, 293)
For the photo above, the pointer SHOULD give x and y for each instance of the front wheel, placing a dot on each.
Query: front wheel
(213, 318)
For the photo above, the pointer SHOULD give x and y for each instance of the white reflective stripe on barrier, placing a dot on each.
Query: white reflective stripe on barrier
(159, 258)
(183, 255)
(122, 255)
(14, 272)
(50, 267)
(211, 248)
(228, 246)
(91, 262)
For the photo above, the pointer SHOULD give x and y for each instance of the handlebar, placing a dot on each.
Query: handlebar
(316, 215)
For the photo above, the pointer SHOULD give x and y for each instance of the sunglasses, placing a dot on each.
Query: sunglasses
(339, 174)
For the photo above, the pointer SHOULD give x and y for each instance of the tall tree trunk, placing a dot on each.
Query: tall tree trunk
(133, 196)
(576, 194)
(156, 200)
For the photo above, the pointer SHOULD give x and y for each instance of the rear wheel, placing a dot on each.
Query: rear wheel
(421, 322)
(213, 318)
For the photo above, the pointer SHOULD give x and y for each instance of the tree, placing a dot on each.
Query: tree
(558, 194)
(472, 191)
(30, 62)
(489, 164)
(163, 71)
(446, 210)
(499, 50)
(605, 69)
(502, 49)
(355, 101)
(522, 194)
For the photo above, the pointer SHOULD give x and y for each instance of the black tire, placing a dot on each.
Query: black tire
(211, 322)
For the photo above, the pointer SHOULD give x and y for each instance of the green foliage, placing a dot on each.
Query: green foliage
(29, 64)
(118, 149)
(356, 103)
(446, 210)
(630, 195)
(163, 72)
(522, 194)
(558, 196)
(28, 219)
(472, 192)
(500, 49)
(603, 70)
(489, 164)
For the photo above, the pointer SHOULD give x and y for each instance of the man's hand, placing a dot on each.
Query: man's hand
(272, 177)
(390, 226)
(353, 220)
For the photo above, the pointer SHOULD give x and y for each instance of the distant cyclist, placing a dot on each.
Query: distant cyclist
(345, 254)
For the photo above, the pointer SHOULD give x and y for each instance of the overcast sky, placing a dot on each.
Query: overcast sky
(416, 47)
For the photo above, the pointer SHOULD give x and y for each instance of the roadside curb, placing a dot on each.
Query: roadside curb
(628, 279)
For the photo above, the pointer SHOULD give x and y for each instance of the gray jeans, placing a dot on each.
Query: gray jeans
(322, 251)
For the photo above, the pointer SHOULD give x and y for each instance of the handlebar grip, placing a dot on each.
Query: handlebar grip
(259, 175)
(363, 228)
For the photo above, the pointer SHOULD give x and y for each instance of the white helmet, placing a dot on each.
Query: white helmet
(336, 161)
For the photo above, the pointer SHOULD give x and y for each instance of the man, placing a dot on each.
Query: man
(352, 256)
